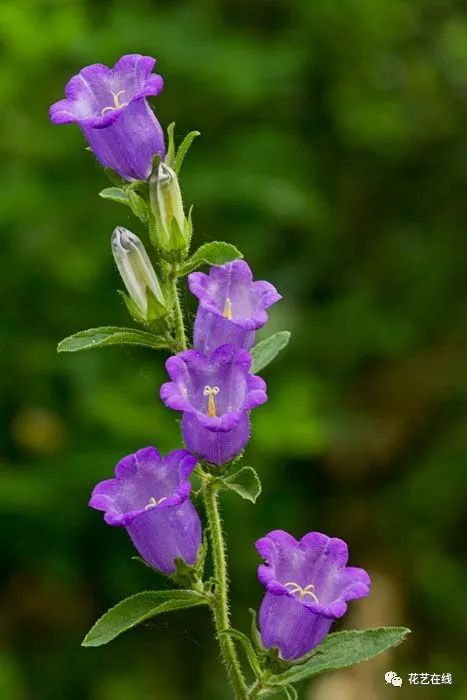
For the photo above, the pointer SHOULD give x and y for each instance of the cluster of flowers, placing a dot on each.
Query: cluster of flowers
(307, 582)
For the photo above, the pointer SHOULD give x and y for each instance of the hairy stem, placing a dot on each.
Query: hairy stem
(179, 325)
(220, 600)
(220, 605)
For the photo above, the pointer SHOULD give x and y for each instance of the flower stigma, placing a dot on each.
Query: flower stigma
(117, 104)
(293, 587)
(211, 392)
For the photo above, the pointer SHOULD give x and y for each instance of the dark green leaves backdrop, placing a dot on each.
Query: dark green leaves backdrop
(334, 155)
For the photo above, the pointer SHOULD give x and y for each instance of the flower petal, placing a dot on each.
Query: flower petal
(289, 626)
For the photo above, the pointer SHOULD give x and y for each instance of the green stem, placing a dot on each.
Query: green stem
(177, 311)
(220, 600)
(254, 689)
(220, 605)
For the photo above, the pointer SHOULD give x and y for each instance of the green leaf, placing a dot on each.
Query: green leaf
(265, 351)
(290, 692)
(110, 335)
(116, 194)
(342, 649)
(214, 253)
(136, 609)
(183, 149)
(248, 649)
(245, 482)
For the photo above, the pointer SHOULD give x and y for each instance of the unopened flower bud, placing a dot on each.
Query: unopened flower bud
(172, 228)
(136, 270)
(169, 197)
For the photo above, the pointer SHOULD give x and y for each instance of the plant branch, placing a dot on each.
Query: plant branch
(220, 604)
(179, 325)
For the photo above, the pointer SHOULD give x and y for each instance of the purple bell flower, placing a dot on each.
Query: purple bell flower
(231, 306)
(149, 496)
(215, 393)
(110, 106)
(308, 585)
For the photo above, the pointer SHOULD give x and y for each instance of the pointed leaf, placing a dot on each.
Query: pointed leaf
(136, 609)
(214, 253)
(110, 335)
(116, 194)
(248, 649)
(265, 351)
(183, 149)
(342, 649)
(245, 482)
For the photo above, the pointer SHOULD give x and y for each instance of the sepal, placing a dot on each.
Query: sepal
(156, 311)
(114, 177)
(255, 635)
(175, 157)
(187, 576)
(138, 206)
(183, 149)
(131, 307)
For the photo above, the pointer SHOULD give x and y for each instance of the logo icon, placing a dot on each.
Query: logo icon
(392, 678)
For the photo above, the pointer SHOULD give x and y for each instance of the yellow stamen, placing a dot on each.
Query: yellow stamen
(211, 392)
(117, 104)
(296, 588)
(227, 313)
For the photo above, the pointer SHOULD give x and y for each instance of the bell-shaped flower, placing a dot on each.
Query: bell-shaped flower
(110, 106)
(215, 393)
(149, 496)
(308, 585)
(231, 306)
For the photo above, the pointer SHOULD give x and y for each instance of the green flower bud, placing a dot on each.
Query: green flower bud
(171, 230)
(138, 274)
(169, 198)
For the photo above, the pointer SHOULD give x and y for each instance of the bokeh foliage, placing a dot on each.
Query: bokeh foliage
(334, 154)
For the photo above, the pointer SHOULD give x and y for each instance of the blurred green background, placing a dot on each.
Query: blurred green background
(334, 154)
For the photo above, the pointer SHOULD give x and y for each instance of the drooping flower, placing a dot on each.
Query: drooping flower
(137, 273)
(215, 393)
(307, 587)
(231, 306)
(110, 106)
(149, 496)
